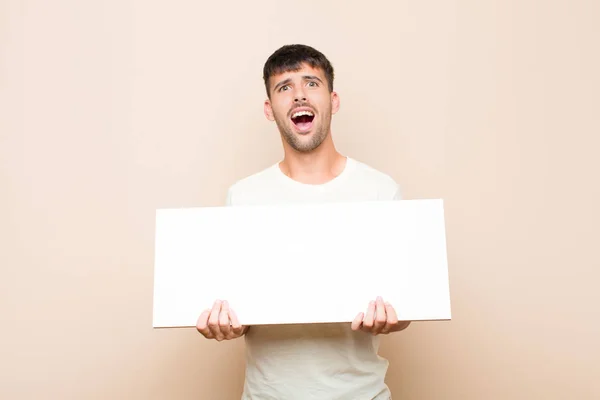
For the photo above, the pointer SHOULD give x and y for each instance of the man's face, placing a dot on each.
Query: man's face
(302, 105)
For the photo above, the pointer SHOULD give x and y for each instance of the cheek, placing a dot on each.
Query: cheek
(281, 108)
(324, 105)
(323, 102)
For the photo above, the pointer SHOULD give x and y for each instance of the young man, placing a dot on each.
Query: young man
(309, 361)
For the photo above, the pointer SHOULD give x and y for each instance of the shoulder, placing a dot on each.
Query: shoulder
(257, 182)
(386, 186)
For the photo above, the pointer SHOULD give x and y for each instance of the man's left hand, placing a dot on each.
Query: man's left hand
(381, 318)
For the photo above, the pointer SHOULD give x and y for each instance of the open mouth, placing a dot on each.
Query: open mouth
(303, 120)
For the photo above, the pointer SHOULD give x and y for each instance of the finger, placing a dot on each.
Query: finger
(370, 317)
(391, 313)
(224, 324)
(356, 324)
(213, 321)
(202, 324)
(236, 328)
(381, 316)
(392, 318)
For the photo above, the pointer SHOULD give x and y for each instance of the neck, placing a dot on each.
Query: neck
(316, 167)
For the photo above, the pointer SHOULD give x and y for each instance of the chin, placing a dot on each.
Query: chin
(304, 134)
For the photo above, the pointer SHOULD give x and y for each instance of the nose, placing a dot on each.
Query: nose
(299, 95)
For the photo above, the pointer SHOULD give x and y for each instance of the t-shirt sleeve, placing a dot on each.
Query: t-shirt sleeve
(397, 193)
(390, 190)
(229, 197)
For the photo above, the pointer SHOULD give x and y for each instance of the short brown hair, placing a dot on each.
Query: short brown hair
(291, 57)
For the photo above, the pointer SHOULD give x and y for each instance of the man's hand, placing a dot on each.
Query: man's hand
(381, 318)
(220, 323)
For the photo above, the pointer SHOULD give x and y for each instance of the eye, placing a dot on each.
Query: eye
(283, 88)
(313, 84)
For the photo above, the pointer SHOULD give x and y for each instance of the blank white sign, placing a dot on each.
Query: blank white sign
(305, 263)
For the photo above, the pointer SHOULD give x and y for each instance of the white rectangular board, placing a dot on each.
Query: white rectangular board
(302, 263)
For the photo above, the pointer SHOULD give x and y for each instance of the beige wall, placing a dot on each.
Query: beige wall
(113, 109)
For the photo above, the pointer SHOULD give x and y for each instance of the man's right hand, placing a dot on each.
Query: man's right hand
(220, 323)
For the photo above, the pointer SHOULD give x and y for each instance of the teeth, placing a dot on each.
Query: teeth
(300, 113)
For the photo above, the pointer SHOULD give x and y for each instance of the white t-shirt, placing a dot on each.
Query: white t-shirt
(313, 361)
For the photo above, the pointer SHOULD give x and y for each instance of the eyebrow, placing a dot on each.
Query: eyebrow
(283, 82)
(313, 77)
(288, 80)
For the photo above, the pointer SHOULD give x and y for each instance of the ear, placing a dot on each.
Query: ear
(335, 102)
(269, 111)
